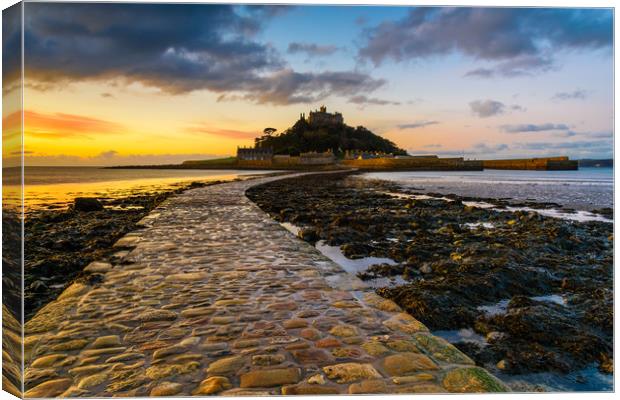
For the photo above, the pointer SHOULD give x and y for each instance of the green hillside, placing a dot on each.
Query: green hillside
(302, 137)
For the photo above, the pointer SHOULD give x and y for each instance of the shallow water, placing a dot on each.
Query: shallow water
(585, 189)
(57, 187)
(578, 215)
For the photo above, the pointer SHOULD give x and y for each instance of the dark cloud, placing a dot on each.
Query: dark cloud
(417, 124)
(578, 94)
(11, 45)
(311, 49)
(361, 99)
(487, 108)
(177, 48)
(519, 40)
(523, 128)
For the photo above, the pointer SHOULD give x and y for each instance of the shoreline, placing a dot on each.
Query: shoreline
(444, 285)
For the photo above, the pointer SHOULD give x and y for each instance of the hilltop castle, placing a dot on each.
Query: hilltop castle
(323, 118)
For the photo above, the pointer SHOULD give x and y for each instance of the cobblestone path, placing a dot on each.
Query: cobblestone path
(214, 297)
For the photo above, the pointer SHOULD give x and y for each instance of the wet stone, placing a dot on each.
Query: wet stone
(268, 359)
(472, 380)
(350, 372)
(293, 390)
(312, 356)
(405, 363)
(166, 389)
(270, 378)
(212, 385)
(368, 387)
(49, 389)
(226, 365)
(106, 341)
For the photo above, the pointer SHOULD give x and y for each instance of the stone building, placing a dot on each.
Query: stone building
(314, 158)
(323, 118)
(254, 154)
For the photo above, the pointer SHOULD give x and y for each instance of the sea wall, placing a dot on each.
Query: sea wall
(419, 164)
(546, 163)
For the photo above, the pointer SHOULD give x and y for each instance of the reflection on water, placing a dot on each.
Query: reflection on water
(57, 187)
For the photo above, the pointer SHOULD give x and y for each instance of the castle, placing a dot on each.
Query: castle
(323, 118)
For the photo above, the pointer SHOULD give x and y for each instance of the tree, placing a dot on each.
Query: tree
(269, 131)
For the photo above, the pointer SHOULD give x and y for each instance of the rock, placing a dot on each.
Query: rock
(213, 384)
(166, 389)
(268, 359)
(310, 334)
(92, 380)
(226, 365)
(343, 331)
(317, 379)
(87, 204)
(48, 361)
(308, 235)
(312, 356)
(159, 371)
(403, 346)
(374, 348)
(350, 372)
(106, 341)
(441, 349)
(403, 380)
(49, 389)
(75, 344)
(223, 320)
(98, 267)
(295, 323)
(328, 342)
(404, 363)
(270, 378)
(405, 323)
(168, 351)
(244, 344)
(472, 380)
(187, 277)
(368, 387)
(157, 315)
(302, 389)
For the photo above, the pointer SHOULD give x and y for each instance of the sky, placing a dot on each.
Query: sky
(117, 84)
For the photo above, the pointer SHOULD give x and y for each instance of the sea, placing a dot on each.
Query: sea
(585, 189)
(57, 187)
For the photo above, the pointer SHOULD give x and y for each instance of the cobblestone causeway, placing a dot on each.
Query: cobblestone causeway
(211, 296)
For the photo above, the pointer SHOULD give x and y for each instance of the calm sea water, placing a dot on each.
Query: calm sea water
(56, 187)
(585, 189)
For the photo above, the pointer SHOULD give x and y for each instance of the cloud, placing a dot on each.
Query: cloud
(480, 73)
(417, 124)
(311, 49)
(517, 39)
(520, 128)
(432, 146)
(361, 99)
(487, 108)
(227, 133)
(58, 125)
(177, 48)
(578, 94)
